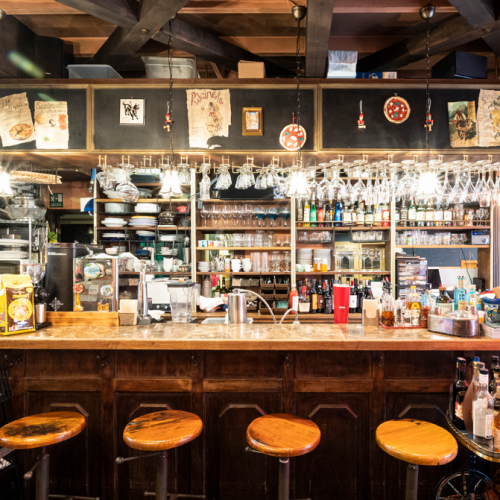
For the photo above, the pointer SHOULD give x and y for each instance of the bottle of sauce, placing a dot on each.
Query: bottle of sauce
(294, 298)
(413, 299)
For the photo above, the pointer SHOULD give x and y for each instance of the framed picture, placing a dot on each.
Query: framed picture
(132, 111)
(253, 121)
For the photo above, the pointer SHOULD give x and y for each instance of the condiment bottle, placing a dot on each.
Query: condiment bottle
(415, 317)
(425, 309)
(387, 316)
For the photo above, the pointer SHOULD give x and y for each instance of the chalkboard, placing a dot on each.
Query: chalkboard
(341, 110)
(278, 105)
(77, 112)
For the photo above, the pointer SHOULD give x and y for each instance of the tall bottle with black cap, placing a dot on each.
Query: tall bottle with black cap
(458, 390)
(469, 395)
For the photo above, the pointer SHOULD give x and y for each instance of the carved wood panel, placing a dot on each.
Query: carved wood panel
(231, 471)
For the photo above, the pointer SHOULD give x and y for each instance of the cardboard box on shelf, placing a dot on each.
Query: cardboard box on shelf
(251, 69)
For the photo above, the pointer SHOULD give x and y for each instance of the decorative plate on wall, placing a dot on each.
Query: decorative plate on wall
(396, 109)
(291, 138)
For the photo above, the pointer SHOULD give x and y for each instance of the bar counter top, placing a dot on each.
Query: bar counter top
(265, 337)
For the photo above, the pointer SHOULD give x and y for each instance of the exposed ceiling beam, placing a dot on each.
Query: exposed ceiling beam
(445, 37)
(125, 42)
(217, 70)
(184, 37)
(318, 26)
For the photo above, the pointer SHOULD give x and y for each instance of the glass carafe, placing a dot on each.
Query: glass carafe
(181, 300)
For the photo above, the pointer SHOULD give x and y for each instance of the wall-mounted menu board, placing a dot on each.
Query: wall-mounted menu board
(340, 111)
(277, 104)
(76, 99)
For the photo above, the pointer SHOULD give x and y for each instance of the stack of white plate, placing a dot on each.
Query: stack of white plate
(145, 233)
(305, 256)
(324, 253)
(203, 266)
(145, 193)
(120, 236)
(147, 208)
(13, 249)
(12, 254)
(114, 222)
(168, 237)
(142, 221)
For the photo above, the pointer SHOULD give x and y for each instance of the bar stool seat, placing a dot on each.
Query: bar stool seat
(44, 429)
(162, 430)
(417, 442)
(283, 435)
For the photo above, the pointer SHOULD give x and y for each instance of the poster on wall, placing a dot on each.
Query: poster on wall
(209, 115)
(462, 124)
(132, 112)
(16, 124)
(51, 124)
(488, 118)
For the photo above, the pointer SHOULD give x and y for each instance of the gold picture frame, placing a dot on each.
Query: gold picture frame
(252, 121)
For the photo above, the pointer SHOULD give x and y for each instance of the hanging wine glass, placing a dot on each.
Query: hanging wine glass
(469, 191)
(127, 191)
(446, 189)
(205, 179)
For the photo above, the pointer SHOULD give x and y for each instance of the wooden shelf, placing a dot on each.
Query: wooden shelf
(142, 228)
(244, 248)
(443, 246)
(442, 228)
(277, 273)
(170, 273)
(332, 273)
(144, 200)
(344, 229)
(242, 229)
(251, 202)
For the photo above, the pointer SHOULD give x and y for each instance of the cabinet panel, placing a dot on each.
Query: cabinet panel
(340, 462)
(138, 476)
(75, 464)
(231, 472)
(424, 364)
(153, 363)
(348, 364)
(244, 364)
(62, 364)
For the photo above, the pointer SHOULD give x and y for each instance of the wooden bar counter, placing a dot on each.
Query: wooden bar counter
(345, 378)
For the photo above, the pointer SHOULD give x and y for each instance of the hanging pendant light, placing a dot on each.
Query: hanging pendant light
(5, 189)
(170, 186)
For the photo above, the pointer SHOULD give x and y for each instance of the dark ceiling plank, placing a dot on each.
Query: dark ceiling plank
(493, 40)
(113, 11)
(476, 12)
(445, 37)
(318, 26)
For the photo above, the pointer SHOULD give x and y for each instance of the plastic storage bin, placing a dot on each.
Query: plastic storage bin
(91, 71)
(182, 67)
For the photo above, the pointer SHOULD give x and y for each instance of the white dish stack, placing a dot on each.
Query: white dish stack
(203, 266)
(324, 253)
(305, 256)
(147, 208)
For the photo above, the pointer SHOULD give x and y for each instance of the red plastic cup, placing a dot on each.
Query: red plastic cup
(341, 303)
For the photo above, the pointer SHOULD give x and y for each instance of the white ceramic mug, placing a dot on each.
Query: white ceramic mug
(168, 264)
(235, 265)
(247, 267)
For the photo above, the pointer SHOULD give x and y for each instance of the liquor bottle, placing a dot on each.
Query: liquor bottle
(360, 215)
(412, 214)
(458, 390)
(353, 299)
(328, 298)
(231, 286)
(338, 218)
(403, 220)
(413, 299)
(304, 304)
(439, 215)
(387, 317)
(386, 215)
(321, 214)
(307, 214)
(333, 207)
(224, 291)
(369, 216)
(217, 288)
(377, 215)
(321, 298)
(361, 297)
(314, 213)
(429, 214)
(420, 215)
(294, 298)
(460, 299)
(346, 216)
(482, 408)
(469, 395)
(300, 212)
(448, 216)
(444, 302)
(314, 298)
(494, 374)
(368, 290)
(328, 214)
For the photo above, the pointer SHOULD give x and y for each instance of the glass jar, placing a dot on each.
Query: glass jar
(413, 299)
(387, 317)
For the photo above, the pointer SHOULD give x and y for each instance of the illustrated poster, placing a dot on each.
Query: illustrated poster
(51, 124)
(488, 118)
(209, 115)
(16, 124)
(462, 124)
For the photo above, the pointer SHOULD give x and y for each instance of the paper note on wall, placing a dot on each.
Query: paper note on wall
(51, 124)
(488, 118)
(209, 115)
(16, 124)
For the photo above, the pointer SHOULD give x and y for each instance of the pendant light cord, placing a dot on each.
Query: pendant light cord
(171, 83)
(427, 91)
(299, 155)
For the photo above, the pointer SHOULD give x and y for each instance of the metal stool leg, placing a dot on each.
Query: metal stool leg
(42, 477)
(411, 482)
(161, 476)
(284, 479)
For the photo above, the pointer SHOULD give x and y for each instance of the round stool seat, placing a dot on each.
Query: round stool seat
(41, 430)
(417, 442)
(162, 430)
(283, 435)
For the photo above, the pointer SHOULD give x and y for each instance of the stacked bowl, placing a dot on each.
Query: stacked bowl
(203, 266)
(113, 222)
(305, 256)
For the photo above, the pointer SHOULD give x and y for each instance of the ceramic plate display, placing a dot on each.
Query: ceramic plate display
(396, 109)
(291, 138)
(14, 243)
(13, 254)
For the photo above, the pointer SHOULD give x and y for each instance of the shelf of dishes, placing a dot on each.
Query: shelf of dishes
(362, 273)
(147, 228)
(251, 273)
(243, 248)
(443, 246)
(170, 273)
(443, 228)
(344, 229)
(144, 200)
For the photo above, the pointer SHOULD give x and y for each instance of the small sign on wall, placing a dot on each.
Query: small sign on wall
(56, 200)
(132, 112)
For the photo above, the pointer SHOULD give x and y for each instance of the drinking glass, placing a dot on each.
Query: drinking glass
(255, 256)
(264, 262)
(216, 214)
(205, 214)
(260, 213)
(285, 213)
(225, 214)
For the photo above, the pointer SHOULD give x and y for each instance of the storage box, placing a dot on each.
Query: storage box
(92, 71)
(251, 69)
(182, 67)
(16, 304)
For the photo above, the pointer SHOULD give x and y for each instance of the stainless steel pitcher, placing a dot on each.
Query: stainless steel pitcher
(237, 307)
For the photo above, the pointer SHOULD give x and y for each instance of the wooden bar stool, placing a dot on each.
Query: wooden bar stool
(160, 432)
(39, 431)
(283, 436)
(417, 443)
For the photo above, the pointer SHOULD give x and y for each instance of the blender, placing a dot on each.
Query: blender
(181, 300)
(37, 273)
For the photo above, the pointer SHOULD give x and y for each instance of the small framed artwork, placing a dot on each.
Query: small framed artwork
(132, 111)
(253, 121)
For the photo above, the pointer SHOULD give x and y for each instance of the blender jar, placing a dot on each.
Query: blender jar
(181, 300)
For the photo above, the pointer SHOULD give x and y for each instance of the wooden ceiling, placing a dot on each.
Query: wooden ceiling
(211, 29)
